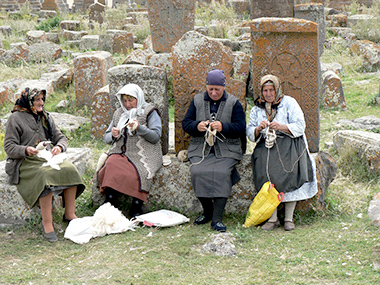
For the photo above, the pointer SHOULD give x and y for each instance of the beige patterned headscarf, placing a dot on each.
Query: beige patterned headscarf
(270, 108)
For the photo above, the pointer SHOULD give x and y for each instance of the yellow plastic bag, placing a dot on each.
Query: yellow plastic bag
(263, 206)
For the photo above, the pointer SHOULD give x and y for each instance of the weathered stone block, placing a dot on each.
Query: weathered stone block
(45, 51)
(33, 37)
(370, 51)
(315, 13)
(169, 20)
(101, 112)
(272, 8)
(137, 56)
(73, 35)
(288, 48)
(367, 144)
(89, 42)
(97, 11)
(161, 60)
(172, 187)
(90, 71)
(153, 82)
(332, 91)
(193, 56)
(70, 25)
(122, 43)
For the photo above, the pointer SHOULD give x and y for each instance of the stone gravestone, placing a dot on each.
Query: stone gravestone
(315, 13)
(272, 8)
(288, 48)
(153, 82)
(101, 112)
(193, 56)
(96, 12)
(90, 71)
(169, 20)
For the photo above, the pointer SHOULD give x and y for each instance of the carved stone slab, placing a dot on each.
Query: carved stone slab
(271, 8)
(288, 48)
(169, 20)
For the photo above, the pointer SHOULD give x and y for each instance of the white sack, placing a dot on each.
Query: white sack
(162, 218)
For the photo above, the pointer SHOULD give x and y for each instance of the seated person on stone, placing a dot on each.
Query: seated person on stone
(216, 123)
(277, 125)
(135, 155)
(28, 127)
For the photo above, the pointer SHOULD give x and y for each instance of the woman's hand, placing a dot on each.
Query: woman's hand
(262, 125)
(279, 127)
(30, 151)
(115, 132)
(217, 125)
(56, 150)
(203, 125)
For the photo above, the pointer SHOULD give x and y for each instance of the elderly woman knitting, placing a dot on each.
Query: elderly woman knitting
(29, 127)
(135, 155)
(277, 125)
(216, 122)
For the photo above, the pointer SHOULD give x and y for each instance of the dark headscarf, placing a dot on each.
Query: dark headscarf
(270, 108)
(25, 104)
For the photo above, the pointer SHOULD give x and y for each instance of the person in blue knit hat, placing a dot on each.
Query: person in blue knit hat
(216, 123)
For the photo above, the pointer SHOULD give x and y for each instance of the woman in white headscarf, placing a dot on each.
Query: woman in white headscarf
(136, 154)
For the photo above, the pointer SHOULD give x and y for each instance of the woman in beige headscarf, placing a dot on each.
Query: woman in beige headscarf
(277, 125)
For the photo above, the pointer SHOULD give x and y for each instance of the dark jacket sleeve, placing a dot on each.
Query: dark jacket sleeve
(189, 123)
(236, 128)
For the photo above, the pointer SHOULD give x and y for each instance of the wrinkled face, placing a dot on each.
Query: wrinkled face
(269, 93)
(38, 103)
(215, 92)
(129, 102)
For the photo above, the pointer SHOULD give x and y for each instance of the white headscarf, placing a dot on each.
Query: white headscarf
(135, 91)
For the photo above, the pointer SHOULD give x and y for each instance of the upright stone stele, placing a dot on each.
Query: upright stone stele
(153, 81)
(169, 21)
(288, 48)
(193, 56)
(90, 71)
(272, 8)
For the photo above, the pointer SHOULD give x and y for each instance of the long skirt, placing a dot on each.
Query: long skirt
(212, 178)
(121, 175)
(289, 167)
(34, 179)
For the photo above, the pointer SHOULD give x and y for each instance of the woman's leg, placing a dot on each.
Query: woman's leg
(69, 195)
(46, 212)
(289, 211)
(272, 223)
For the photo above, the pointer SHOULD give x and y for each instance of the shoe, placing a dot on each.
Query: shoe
(51, 237)
(218, 226)
(268, 226)
(289, 226)
(65, 219)
(202, 219)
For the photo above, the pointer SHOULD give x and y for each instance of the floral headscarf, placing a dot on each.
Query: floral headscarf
(25, 104)
(270, 108)
(135, 91)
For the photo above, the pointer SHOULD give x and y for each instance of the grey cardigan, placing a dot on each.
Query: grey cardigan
(22, 131)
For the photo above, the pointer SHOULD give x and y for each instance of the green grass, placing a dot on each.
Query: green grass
(331, 247)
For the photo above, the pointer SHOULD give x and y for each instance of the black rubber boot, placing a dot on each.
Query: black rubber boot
(112, 197)
(136, 208)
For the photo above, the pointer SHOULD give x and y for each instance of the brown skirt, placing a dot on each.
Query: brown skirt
(121, 175)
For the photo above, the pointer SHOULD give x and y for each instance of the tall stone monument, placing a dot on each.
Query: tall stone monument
(169, 21)
(272, 8)
(193, 56)
(288, 48)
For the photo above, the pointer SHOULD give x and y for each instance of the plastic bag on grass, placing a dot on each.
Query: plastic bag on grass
(162, 218)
